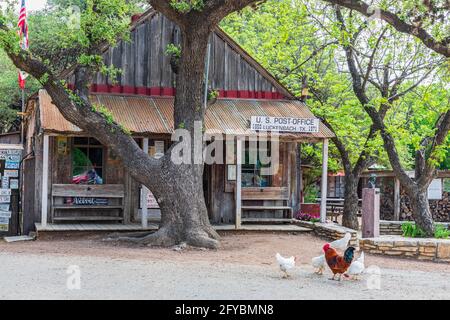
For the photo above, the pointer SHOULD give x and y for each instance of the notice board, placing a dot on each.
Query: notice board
(10, 157)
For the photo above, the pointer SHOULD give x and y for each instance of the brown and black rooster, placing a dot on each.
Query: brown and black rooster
(338, 264)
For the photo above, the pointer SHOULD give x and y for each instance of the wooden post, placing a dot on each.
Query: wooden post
(323, 189)
(44, 193)
(397, 199)
(238, 188)
(144, 193)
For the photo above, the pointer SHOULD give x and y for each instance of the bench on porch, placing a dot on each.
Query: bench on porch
(83, 202)
(275, 194)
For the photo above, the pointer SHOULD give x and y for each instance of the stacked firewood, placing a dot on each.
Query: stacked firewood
(440, 209)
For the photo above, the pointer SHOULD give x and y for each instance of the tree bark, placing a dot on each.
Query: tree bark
(421, 210)
(350, 216)
(180, 187)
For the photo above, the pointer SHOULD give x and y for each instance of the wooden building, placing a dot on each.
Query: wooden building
(71, 178)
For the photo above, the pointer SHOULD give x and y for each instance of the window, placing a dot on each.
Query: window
(251, 168)
(87, 161)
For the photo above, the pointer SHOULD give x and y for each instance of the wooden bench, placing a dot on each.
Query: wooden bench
(266, 194)
(335, 207)
(114, 195)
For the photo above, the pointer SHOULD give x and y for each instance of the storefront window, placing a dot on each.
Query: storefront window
(251, 169)
(87, 161)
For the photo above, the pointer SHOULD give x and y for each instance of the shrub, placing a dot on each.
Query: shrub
(441, 232)
(411, 230)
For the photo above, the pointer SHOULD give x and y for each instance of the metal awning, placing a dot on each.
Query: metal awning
(143, 115)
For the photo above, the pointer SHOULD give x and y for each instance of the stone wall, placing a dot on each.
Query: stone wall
(421, 249)
(329, 231)
(395, 227)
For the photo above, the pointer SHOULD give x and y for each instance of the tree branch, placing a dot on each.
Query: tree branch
(440, 47)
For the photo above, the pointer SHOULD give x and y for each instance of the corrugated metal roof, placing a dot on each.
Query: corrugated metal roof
(148, 115)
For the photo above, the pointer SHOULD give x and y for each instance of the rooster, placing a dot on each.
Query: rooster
(357, 267)
(338, 264)
(285, 264)
(340, 244)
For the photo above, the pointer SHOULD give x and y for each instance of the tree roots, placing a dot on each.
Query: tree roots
(206, 237)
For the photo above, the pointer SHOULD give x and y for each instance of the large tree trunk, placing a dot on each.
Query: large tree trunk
(179, 191)
(350, 215)
(421, 210)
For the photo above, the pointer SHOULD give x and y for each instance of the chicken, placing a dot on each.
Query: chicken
(285, 264)
(357, 267)
(318, 263)
(341, 244)
(337, 263)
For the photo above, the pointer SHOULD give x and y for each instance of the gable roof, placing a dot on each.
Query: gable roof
(150, 13)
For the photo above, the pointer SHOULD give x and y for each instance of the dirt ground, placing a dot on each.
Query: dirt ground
(244, 263)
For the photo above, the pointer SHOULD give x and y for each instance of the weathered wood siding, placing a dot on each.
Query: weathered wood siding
(145, 65)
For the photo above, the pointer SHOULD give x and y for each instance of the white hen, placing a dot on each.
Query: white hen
(341, 244)
(319, 263)
(357, 267)
(285, 264)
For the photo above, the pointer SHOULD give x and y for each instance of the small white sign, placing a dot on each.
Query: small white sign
(282, 124)
(5, 192)
(5, 199)
(14, 183)
(5, 182)
(435, 190)
(4, 220)
(4, 206)
(5, 214)
(11, 173)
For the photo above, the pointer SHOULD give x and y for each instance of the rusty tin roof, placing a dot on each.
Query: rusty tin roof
(154, 115)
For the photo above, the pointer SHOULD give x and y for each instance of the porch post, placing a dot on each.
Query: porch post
(144, 193)
(238, 182)
(396, 199)
(323, 189)
(44, 193)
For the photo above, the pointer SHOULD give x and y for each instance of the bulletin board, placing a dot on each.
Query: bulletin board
(9, 189)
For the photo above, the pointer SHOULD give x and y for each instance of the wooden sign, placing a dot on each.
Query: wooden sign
(283, 124)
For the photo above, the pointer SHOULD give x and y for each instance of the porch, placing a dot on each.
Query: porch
(130, 227)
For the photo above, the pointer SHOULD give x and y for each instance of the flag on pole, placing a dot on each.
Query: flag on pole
(23, 35)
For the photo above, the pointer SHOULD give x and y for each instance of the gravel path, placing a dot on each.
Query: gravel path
(234, 272)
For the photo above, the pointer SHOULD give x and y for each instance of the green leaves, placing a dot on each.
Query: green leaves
(184, 6)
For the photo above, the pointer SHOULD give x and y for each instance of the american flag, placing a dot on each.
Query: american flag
(23, 35)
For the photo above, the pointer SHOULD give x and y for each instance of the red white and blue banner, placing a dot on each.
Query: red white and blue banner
(23, 35)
